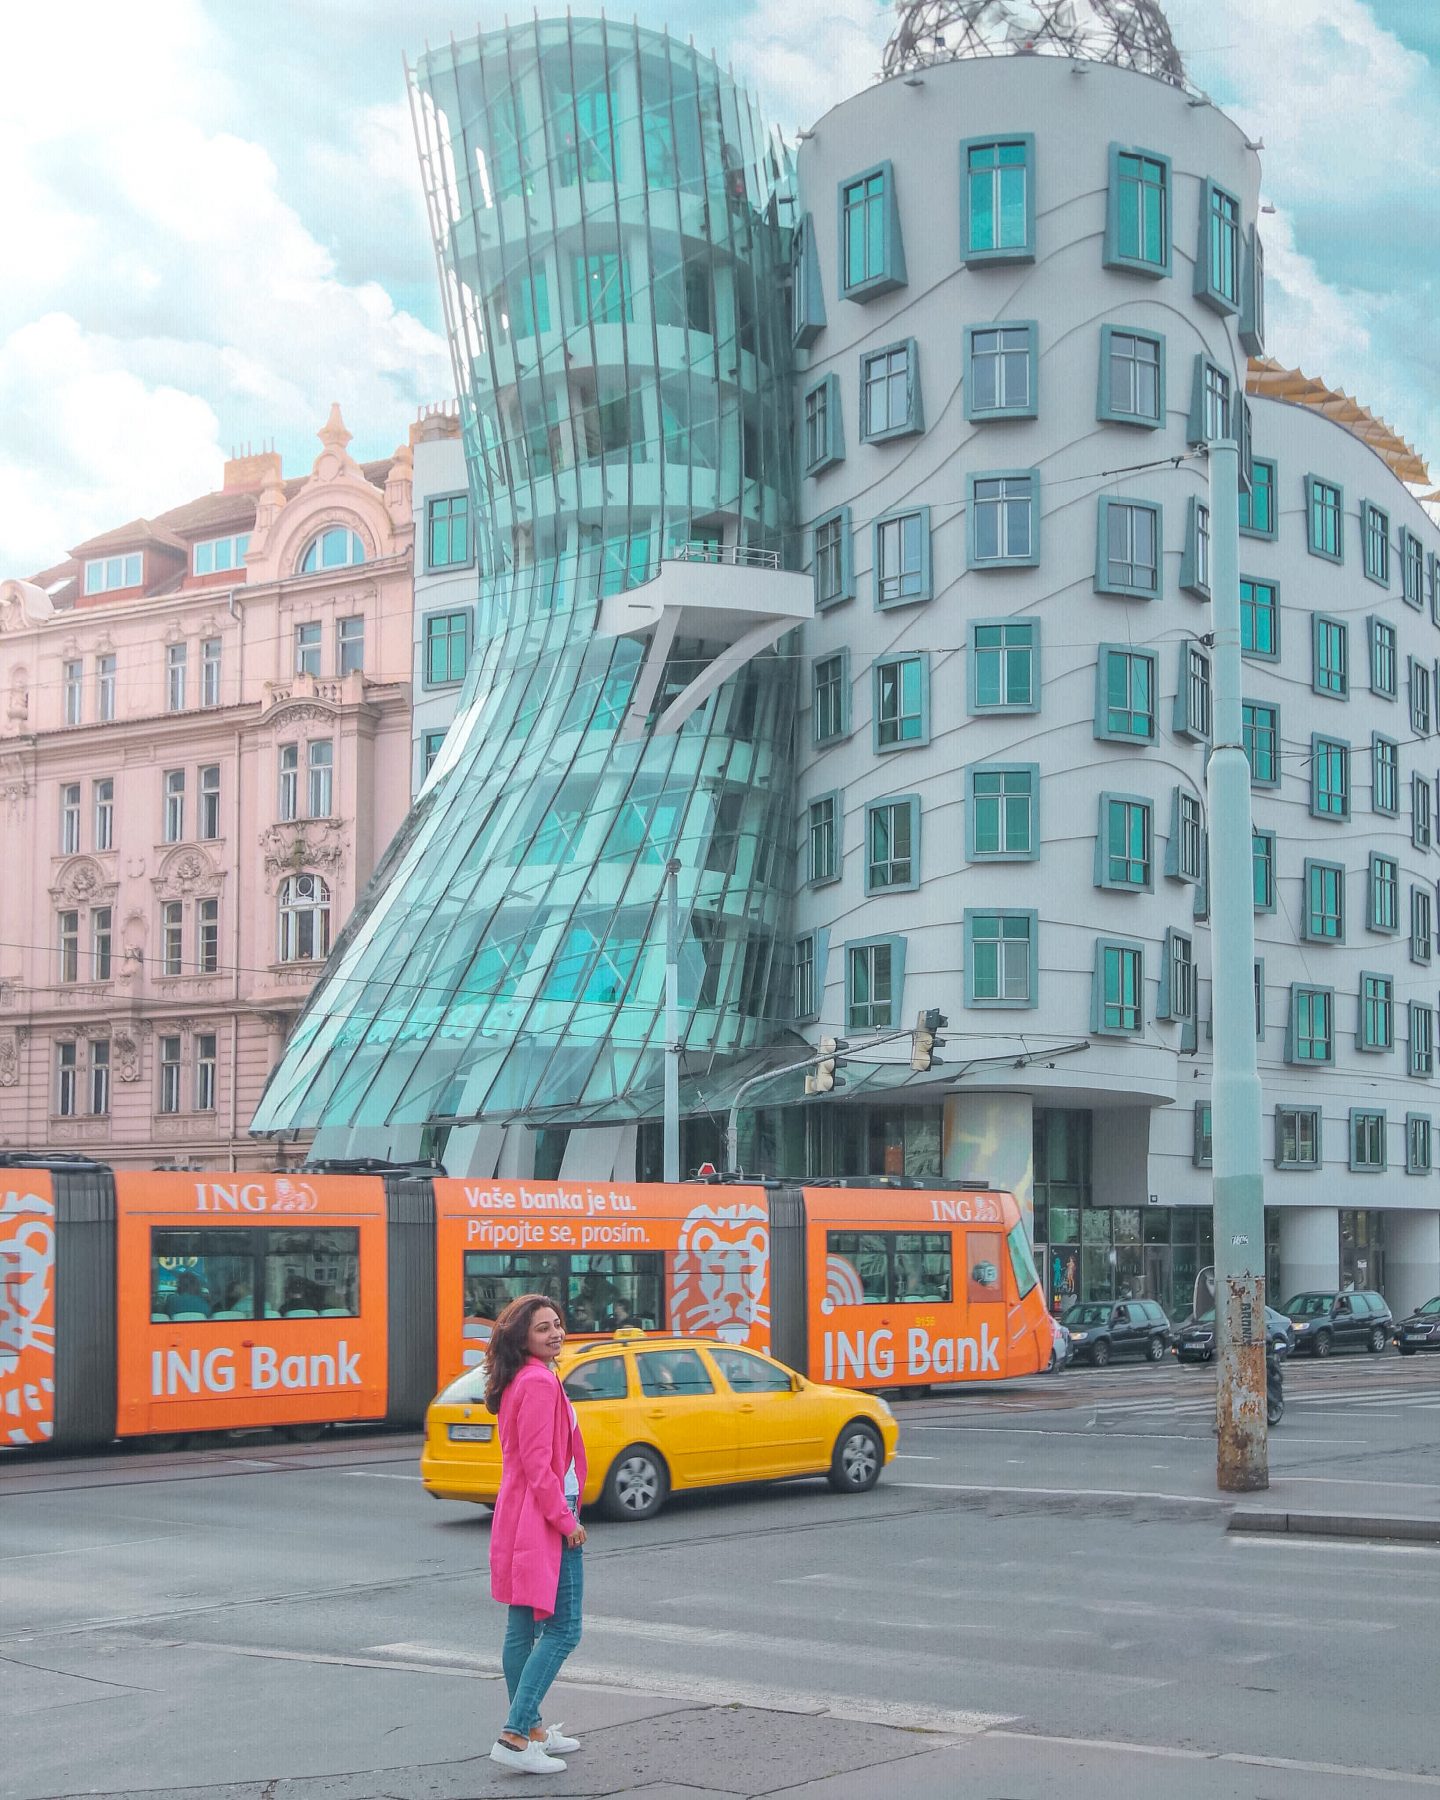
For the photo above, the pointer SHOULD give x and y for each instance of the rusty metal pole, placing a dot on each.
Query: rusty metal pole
(1242, 1454)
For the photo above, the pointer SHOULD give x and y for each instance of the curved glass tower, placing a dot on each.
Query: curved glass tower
(611, 223)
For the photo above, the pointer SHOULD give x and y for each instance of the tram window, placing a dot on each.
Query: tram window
(749, 1374)
(895, 1265)
(1022, 1261)
(203, 1274)
(670, 1373)
(596, 1293)
(312, 1274)
(598, 1378)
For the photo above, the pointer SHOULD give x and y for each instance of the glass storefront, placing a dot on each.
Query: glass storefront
(1362, 1249)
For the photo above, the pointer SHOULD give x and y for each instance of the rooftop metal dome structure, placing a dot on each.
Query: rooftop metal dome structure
(1130, 34)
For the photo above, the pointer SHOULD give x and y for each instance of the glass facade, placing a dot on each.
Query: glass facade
(612, 222)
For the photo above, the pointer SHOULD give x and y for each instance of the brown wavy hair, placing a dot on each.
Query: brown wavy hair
(507, 1350)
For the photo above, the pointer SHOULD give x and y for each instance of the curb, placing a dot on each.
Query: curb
(1337, 1525)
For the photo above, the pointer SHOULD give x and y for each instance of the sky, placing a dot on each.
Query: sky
(212, 223)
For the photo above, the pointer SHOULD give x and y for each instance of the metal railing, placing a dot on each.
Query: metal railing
(738, 556)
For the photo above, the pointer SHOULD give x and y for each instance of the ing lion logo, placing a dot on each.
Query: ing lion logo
(722, 1273)
(27, 1313)
(294, 1196)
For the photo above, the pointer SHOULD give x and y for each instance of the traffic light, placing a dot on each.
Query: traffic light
(927, 1026)
(825, 1078)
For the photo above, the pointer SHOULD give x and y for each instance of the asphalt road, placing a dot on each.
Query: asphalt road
(1046, 1559)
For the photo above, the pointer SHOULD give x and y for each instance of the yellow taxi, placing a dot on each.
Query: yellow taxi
(663, 1414)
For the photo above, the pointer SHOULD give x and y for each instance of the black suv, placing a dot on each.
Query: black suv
(1100, 1329)
(1194, 1341)
(1327, 1321)
(1421, 1330)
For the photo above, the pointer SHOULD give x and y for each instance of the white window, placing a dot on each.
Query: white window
(210, 800)
(217, 554)
(289, 781)
(104, 792)
(1217, 404)
(350, 646)
(205, 1071)
(1004, 518)
(107, 573)
(307, 649)
(66, 1076)
(1190, 850)
(176, 658)
(900, 552)
(70, 818)
(320, 759)
(102, 933)
(207, 936)
(174, 805)
(210, 651)
(333, 549)
(1000, 369)
(105, 687)
(1182, 977)
(169, 1074)
(100, 1076)
(304, 919)
(172, 919)
(74, 677)
(69, 946)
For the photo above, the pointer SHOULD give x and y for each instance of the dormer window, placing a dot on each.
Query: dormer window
(216, 554)
(333, 549)
(107, 573)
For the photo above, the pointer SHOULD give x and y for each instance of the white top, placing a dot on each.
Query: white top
(572, 1481)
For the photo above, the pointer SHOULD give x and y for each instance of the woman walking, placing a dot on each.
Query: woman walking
(536, 1567)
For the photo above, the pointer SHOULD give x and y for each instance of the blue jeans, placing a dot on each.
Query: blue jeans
(534, 1649)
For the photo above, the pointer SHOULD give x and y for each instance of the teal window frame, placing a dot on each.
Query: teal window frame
(1369, 1148)
(1411, 554)
(1432, 579)
(431, 744)
(1327, 755)
(1129, 810)
(1177, 955)
(1324, 508)
(1260, 738)
(1252, 296)
(1185, 849)
(1420, 1040)
(1156, 177)
(1197, 429)
(1107, 731)
(997, 646)
(1375, 1013)
(1329, 671)
(1382, 894)
(815, 875)
(883, 243)
(1202, 1146)
(613, 301)
(1419, 1154)
(1262, 487)
(835, 525)
(1259, 619)
(830, 701)
(1384, 775)
(1262, 870)
(1422, 923)
(1030, 349)
(1375, 543)
(895, 1004)
(437, 523)
(431, 638)
(1323, 918)
(1026, 779)
(1420, 678)
(904, 844)
(985, 917)
(912, 421)
(972, 180)
(1117, 988)
(973, 559)
(1106, 410)
(1219, 261)
(1310, 1029)
(1422, 829)
(1194, 714)
(1195, 557)
(921, 734)
(807, 294)
(825, 446)
(890, 529)
(819, 942)
(1301, 1122)
(1107, 581)
(1384, 658)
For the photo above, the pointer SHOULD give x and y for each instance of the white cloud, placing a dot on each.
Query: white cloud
(804, 56)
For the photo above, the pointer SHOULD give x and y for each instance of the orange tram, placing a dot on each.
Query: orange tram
(137, 1304)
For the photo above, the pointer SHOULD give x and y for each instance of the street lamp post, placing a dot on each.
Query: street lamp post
(672, 1020)
(1242, 1451)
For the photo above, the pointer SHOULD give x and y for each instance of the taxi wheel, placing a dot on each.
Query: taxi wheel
(637, 1484)
(859, 1457)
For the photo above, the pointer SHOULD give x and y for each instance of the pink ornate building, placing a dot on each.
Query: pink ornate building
(204, 747)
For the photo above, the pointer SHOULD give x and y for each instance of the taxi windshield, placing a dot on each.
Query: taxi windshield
(468, 1386)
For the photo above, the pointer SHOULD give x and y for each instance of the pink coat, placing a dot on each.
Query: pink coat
(538, 1440)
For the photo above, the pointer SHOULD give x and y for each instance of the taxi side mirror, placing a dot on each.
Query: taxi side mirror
(796, 1383)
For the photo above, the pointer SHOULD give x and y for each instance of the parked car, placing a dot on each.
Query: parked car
(1420, 1330)
(1100, 1329)
(1061, 1349)
(1327, 1320)
(1194, 1341)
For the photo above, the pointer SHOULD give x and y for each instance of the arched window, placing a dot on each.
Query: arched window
(336, 548)
(304, 919)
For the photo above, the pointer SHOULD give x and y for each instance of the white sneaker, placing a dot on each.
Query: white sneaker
(558, 1744)
(532, 1760)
